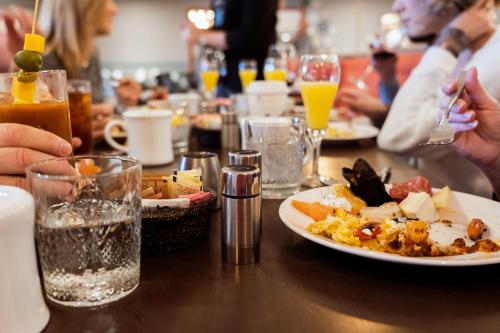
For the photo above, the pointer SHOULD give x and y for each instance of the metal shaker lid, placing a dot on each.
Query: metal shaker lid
(241, 181)
(245, 157)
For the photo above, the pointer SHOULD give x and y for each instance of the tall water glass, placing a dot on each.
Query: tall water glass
(321, 77)
(87, 227)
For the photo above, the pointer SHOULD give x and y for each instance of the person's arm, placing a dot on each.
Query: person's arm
(413, 113)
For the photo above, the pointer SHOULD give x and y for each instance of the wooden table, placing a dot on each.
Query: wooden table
(298, 286)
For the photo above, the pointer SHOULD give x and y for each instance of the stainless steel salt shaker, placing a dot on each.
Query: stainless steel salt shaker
(245, 157)
(230, 131)
(241, 214)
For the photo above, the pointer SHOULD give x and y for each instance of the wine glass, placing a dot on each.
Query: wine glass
(319, 86)
(277, 62)
(211, 65)
(248, 72)
(383, 45)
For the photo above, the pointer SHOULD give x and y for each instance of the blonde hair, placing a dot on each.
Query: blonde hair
(71, 31)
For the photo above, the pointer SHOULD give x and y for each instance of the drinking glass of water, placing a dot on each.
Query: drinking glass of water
(88, 227)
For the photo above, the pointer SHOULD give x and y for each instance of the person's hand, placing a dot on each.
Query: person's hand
(361, 101)
(21, 146)
(189, 34)
(475, 117)
(128, 92)
(101, 114)
(18, 22)
(476, 21)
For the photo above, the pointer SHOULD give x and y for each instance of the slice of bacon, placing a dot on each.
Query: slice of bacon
(399, 192)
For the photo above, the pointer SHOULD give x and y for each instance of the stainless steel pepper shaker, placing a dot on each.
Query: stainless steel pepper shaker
(241, 214)
(245, 157)
(230, 130)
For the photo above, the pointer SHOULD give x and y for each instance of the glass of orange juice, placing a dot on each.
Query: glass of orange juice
(275, 69)
(320, 82)
(211, 63)
(248, 72)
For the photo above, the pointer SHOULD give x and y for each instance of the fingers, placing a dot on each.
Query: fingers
(479, 97)
(16, 135)
(13, 161)
(460, 128)
(104, 109)
(14, 181)
(480, 4)
(76, 142)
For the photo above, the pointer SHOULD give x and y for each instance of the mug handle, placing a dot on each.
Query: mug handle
(109, 137)
(309, 152)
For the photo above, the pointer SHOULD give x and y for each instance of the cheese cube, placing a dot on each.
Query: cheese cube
(419, 206)
(442, 198)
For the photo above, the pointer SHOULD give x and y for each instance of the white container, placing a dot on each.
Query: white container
(267, 98)
(192, 100)
(149, 134)
(22, 308)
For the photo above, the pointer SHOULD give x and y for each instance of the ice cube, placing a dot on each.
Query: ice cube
(6, 98)
(42, 92)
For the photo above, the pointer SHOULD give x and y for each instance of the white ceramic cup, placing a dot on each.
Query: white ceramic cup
(267, 98)
(22, 308)
(149, 134)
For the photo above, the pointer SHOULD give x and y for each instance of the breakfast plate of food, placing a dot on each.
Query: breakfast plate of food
(349, 132)
(409, 223)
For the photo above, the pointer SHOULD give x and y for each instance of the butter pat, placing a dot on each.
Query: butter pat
(419, 206)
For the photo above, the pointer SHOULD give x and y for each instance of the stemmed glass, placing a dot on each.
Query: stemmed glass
(276, 63)
(248, 72)
(319, 86)
(211, 64)
(383, 45)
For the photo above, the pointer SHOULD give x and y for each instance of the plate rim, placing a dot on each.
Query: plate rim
(382, 256)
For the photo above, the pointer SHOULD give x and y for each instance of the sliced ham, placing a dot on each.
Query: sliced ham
(399, 192)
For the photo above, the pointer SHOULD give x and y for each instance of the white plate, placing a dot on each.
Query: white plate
(360, 132)
(472, 206)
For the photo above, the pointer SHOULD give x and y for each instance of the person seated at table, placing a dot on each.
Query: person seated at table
(447, 29)
(475, 117)
(22, 145)
(73, 27)
(460, 39)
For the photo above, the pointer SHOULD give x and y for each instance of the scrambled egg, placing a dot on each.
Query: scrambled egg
(341, 228)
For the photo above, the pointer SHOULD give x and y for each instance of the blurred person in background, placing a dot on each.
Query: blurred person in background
(475, 117)
(73, 27)
(243, 29)
(461, 34)
(431, 22)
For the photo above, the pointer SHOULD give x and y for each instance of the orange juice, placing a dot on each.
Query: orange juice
(247, 76)
(50, 116)
(318, 99)
(209, 79)
(275, 75)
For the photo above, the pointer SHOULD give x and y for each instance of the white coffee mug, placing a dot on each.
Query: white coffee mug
(267, 98)
(22, 308)
(149, 134)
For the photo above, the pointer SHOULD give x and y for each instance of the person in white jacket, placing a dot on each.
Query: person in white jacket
(460, 40)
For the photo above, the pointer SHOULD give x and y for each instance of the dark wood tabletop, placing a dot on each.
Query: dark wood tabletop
(298, 286)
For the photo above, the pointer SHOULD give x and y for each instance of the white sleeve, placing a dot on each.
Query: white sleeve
(414, 110)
